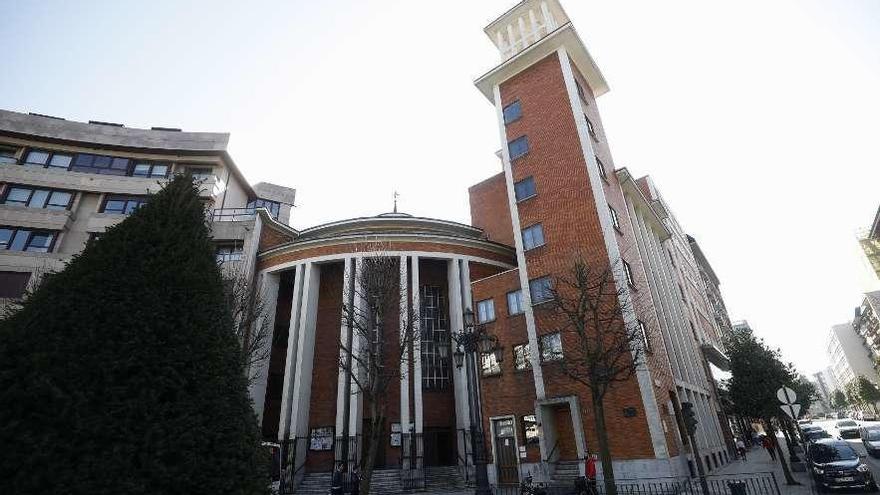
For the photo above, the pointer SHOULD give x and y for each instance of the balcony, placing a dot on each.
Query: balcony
(233, 214)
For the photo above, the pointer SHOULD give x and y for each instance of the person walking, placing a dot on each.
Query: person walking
(741, 449)
(336, 484)
(768, 444)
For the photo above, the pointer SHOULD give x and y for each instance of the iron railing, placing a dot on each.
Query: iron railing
(349, 448)
(232, 214)
(466, 464)
(412, 461)
(720, 484)
(293, 460)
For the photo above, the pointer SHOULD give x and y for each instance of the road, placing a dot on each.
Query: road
(855, 442)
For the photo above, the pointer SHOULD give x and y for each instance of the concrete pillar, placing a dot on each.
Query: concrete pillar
(417, 349)
(305, 352)
(356, 423)
(533, 20)
(347, 295)
(405, 359)
(284, 432)
(268, 291)
(523, 33)
(513, 43)
(549, 21)
(456, 323)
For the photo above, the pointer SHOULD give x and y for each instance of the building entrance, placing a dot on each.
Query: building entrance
(505, 451)
(439, 446)
(565, 441)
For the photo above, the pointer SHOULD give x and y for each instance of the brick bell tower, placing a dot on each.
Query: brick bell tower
(558, 198)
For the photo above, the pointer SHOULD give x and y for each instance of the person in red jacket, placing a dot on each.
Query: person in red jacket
(590, 472)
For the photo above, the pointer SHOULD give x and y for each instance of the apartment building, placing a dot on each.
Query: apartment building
(848, 355)
(867, 325)
(63, 183)
(869, 240)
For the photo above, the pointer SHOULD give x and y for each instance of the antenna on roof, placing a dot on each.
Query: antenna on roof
(396, 195)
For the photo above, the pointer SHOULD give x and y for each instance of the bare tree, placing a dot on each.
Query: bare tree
(247, 305)
(375, 355)
(604, 342)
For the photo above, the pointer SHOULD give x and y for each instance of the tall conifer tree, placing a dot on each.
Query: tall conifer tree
(121, 373)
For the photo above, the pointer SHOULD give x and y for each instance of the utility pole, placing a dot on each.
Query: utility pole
(690, 423)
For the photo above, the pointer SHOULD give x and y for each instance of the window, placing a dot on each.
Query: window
(602, 172)
(533, 237)
(521, 360)
(514, 302)
(627, 270)
(148, 169)
(540, 290)
(614, 220)
(681, 291)
(100, 164)
(122, 205)
(19, 239)
(485, 311)
(512, 112)
(490, 365)
(591, 129)
(551, 347)
(525, 189)
(60, 160)
(38, 198)
(274, 207)
(518, 147)
(7, 155)
(646, 340)
(201, 173)
(530, 429)
(13, 284)
(37, 157)
(229, 252)
(436, 371)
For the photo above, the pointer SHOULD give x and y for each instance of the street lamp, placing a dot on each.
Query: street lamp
(470, 342)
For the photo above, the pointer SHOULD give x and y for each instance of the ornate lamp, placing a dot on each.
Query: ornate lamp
(458, 357)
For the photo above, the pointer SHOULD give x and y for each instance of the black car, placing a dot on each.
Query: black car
(871, 440)
(835, 464)
(815, 435)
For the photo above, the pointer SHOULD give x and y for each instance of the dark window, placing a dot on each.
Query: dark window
(435, 340)
(646, 340)
(19, 239)
(149, 169)
(521, 359)
(512, 112)
(551, 347)
(681, 291)
(591, 128)
(518, 147)
(229, 252)
(627, 270)
(602, 172)
(614, 220)
(530, 430)
(514, 302)
(540, 289)
(201, 173)
(274, 207)
(38, 198)
(485, 310)
(533, 237)
(122, 205)
(7, 154)
(13, 284)
(100, 164)
(525, 189)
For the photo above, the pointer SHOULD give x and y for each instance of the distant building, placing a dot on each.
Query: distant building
(869, 240)
(848, 355)
(867, 325)
(824, 392)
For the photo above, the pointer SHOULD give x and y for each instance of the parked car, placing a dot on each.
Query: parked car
(815, 435)
(803, 422)
(870, 436)
(867, 416)
(847, 428)
(809, 428)
(835, 464)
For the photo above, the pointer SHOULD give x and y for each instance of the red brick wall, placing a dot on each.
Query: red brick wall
(481, 270)
(489, 209)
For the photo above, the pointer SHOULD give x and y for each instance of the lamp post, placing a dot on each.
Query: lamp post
(471, 342)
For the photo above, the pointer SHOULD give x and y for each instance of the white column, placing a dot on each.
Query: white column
(356, 399)
(417, 349)
(459, 382)
(268, 292)
(523, 33)
(514, 48)
(305, 352)
(404, 361)
(284, 431)
(534, 22)
(549, 21)
(347, 279)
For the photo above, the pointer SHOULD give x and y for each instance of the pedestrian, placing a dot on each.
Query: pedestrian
(767, 442)
(355, 481)
(740, 449)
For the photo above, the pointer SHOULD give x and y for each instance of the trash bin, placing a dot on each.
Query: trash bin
(737, 488)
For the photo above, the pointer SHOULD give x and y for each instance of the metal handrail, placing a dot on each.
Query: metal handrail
(232, 214)
(550, 455)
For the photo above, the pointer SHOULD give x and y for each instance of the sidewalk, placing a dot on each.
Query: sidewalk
(758, 461)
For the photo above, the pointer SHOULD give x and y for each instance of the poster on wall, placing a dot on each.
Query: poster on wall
(321, 438)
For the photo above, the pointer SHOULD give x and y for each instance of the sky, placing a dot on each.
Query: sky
(756, 119)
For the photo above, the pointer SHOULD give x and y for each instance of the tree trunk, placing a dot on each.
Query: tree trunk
(377, 419)
(604, 448)
(789, 479)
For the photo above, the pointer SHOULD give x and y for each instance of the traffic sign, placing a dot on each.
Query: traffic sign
(793, 410)
(786, 395)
